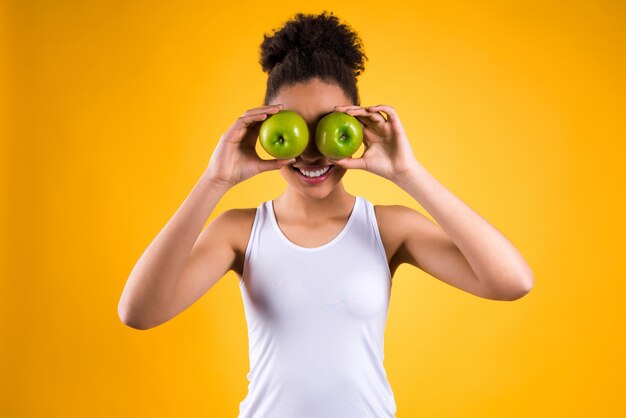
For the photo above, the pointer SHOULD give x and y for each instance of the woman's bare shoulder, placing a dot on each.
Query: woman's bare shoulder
(386, 213)
(388, 217)
(239, 222)
(390, 231)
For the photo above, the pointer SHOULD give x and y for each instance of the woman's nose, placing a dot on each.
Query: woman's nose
(311, 150)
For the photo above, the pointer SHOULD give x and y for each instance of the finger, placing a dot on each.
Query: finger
(275, 164)
(264, 109)
(392, 116)
(244, 124)
(342, 108)
(245, 121)
(268, 112)
(367, 116)
(350, 163)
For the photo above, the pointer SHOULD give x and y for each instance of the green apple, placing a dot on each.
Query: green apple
(284, 134)
(338, 135)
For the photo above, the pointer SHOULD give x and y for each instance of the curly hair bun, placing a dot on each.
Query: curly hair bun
(309, 34)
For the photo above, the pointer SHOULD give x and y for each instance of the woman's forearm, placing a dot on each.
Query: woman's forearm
(492, 257)
(153, 279)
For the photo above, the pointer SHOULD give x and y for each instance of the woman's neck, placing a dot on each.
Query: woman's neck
(298, 206)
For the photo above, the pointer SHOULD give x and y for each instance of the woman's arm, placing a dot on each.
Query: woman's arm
(494, 268)
(154, 292)
(502, 272)
(153, 281)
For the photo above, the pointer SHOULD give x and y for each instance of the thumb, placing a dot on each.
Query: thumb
(275, 164)
(350, 163)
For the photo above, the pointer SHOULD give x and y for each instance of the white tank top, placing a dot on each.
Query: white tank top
(316, 320)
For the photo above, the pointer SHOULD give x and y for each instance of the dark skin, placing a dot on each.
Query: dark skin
(311, 215)
(184, 261)
(463, 249)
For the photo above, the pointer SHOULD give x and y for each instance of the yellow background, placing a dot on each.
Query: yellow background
(110, 113)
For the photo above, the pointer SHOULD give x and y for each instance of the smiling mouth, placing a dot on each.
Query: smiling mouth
(313, 174)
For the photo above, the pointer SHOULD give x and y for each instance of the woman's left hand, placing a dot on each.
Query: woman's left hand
(388, 152)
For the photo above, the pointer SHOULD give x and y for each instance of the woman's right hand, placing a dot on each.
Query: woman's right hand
(235, 158)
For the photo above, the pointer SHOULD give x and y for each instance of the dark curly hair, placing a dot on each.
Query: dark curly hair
(309, 46)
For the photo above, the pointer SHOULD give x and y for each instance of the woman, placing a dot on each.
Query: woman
(315, 264)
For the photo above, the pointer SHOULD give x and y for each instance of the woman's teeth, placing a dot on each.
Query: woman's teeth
(314, 173)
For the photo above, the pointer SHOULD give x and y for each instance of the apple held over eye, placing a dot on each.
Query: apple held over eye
(338, 135)
(284, 134)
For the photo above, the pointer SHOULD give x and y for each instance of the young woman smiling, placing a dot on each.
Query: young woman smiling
(315, 264)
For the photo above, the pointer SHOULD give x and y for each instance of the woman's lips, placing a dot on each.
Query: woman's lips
(313, 180)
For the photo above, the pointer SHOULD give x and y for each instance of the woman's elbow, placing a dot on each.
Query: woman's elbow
(523, 287)
(133, 321)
